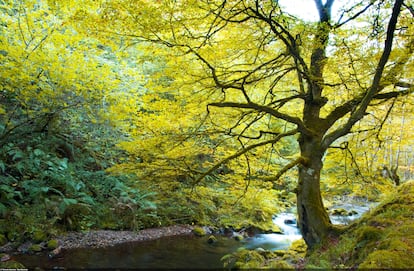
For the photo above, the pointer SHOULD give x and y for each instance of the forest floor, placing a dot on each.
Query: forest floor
(105, 238)
(382, 239)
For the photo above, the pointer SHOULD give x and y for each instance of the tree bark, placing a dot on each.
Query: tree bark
(313, 219)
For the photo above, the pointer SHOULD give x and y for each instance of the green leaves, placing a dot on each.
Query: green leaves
(65, 203)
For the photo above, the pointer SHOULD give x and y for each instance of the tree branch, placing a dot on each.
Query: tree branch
(299, 160)
(241, 152)
(339, 24)
(262, 108)
(375, 86)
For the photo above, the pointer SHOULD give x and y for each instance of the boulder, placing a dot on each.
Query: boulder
(199, 231)
(290, 221)
(238, 236)
(352, 212)
(4, 257)
(35, 248)
(212, 239)
(339, 212)
(52, 244)
(55, 252)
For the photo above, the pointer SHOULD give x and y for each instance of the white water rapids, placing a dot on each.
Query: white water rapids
(277, 241)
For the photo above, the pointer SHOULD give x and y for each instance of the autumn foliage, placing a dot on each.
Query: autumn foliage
(209, 112)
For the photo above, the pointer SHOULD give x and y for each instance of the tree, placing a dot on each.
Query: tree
(276, 75)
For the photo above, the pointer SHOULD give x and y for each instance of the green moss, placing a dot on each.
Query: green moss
(249, 259)
(13, 236)
(35, 248)
(339, 211)
(388, 259)
(212, 239)
(39, 236)
(269, 227)
(382, 238)
(298, 246)
(199, 231)
(368, 233)
(397, 245)
(11, 265)
(52, 244)
(3, 240)
(279, 264)
(278, 253)
(238, 237)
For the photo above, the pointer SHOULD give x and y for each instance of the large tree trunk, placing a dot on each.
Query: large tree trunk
(313, 219)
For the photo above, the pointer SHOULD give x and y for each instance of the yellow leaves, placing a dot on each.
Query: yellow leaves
(50, 66)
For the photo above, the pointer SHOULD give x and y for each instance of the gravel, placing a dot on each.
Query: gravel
(106, 238)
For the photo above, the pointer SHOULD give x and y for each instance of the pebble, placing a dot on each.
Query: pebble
(105, 238)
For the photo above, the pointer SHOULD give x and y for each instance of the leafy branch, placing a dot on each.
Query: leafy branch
(242, 152)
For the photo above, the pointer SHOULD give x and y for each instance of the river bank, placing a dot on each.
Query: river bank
(105, 238)
(93, 239)
(382, 239)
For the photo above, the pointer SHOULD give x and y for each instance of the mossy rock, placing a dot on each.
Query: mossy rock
(241, 249)
(387, 259)
(269, 227)
(298, 246)
(39, 236)
(238, 237)
(249, 259)
(279, 264)
(249, 265)
(52, 244)
(339, 212)
(35, 248)
(3, 240)
(199, 231)
(279, 253)
(352, 212)
(11, 265)
(212, 239)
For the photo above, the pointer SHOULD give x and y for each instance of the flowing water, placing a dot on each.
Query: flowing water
(169, 252)
(360, 208)
(176, 252)
(273, 241)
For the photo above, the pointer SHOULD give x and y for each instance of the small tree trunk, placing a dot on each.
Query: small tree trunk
(313, 219)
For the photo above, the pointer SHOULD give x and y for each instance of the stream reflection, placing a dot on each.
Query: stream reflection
(176, 252)
(168, 252)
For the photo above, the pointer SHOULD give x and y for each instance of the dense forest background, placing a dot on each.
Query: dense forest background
(104, 130)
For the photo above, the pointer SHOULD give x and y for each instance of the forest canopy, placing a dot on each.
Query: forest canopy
(213, 111)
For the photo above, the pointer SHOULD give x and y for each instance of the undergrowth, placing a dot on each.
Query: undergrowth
(382, 238)
(42, 189)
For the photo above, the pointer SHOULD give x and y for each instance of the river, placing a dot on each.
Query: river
(176, 252)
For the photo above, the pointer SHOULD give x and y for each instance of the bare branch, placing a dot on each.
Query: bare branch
(299, 160)
(410, 8)
(286, 37)
(375, 86)
(356, 15)
(242, 152)
(262, 108)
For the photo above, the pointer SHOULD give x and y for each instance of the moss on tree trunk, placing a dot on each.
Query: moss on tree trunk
(313, 219)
